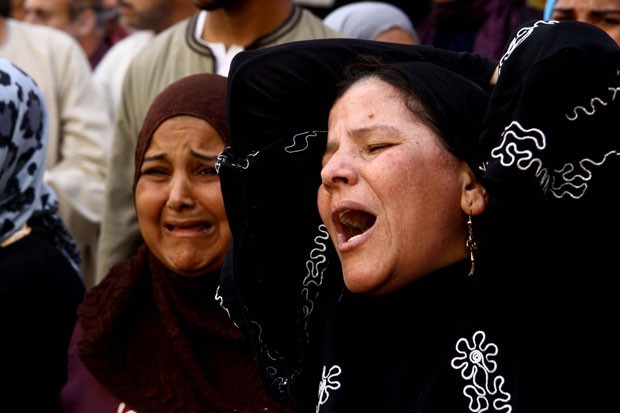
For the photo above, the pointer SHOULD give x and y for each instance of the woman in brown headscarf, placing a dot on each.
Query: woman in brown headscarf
(152, 337)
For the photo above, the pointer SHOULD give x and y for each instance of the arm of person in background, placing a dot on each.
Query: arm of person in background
(86, 131)
(78, 176)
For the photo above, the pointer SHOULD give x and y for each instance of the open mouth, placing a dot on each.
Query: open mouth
(355, 222)
(203, 227)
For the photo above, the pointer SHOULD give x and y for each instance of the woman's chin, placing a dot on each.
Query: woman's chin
(363, 282)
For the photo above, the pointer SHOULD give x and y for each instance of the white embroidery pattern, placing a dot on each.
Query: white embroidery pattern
(243, 163)
(315, 267)
(594, 102)
(521, 147)
(219, 299)
(328, 383)
(477, 365)
(297, 145)
(519, 38)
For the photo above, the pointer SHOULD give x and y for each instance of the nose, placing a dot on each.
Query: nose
(181, 195)
(338, 170)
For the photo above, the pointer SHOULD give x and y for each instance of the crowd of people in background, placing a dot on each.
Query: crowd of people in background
(110, 77)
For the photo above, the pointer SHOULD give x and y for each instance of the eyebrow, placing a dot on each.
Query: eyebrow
(209, 158)
(163, 157)
(158, 157)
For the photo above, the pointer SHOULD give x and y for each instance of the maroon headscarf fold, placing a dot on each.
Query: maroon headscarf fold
(159, 341)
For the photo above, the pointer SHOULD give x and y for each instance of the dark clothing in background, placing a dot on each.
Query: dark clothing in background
(480, 26)
(39, 295)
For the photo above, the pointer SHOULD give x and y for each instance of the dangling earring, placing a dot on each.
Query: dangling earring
(471, 244)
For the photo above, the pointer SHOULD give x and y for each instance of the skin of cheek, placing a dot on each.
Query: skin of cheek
(422, 207)
(172, 173)
(416, 233)
(185, 256)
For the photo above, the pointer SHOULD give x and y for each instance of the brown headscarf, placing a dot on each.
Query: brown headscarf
(202, 96)
(157, 340)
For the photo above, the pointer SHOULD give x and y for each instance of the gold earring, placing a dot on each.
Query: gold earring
(471, 244)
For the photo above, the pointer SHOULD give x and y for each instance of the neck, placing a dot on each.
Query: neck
(246, 22)
(90, 43)
(180, 11)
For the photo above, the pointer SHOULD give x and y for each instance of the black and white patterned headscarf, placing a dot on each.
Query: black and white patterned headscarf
(23, 144)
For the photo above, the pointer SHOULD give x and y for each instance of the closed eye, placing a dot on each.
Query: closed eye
(378, 147)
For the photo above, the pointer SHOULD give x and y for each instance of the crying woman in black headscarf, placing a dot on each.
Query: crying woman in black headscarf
(405, 285)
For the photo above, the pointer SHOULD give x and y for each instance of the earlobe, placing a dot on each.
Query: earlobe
(474, 198)
(478, 199)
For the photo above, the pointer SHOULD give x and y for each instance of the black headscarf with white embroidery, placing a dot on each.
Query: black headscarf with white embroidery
(549, 237)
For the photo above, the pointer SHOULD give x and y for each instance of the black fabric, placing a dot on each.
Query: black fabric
(264, 108)
(553, 95)
(457, 103)
(39, 296)
(552, 134)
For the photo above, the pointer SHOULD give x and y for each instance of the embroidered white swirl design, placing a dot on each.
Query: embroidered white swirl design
(277, 368)
(301, 141)
(522, 147)
(243, 163)
(519, 38)
(328, 383)
(315, 267)
(591, 111)
(476, 361)
(594, 102)
(220, 300)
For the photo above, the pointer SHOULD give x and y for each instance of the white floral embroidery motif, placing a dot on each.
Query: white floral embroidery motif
(328, 383)
(477, 365)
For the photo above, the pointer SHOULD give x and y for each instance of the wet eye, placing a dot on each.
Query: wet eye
(208, 171)
(154, 171)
